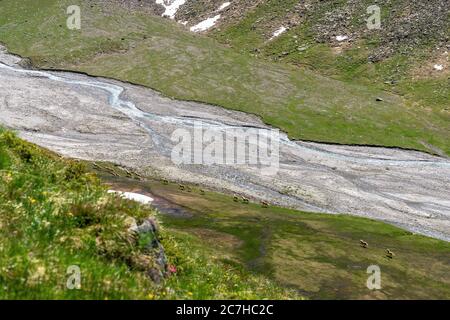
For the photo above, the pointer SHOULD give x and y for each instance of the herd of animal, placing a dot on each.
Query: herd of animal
(236, 197)
(265, 204)
(389, 253)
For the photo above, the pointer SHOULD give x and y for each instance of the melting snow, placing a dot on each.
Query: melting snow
(341, 38)
(206, 24)
(171, 6)
(225, 5)
(133, 196)
(438, 67)
(279, 32)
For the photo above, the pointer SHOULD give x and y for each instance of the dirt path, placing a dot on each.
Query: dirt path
(105, 120)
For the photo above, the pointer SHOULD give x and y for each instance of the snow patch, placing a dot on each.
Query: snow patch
(438, 67)
(171, 7)
(279, 32)
(206, 24)
(341, 38)
(133, 196)
(223, 6)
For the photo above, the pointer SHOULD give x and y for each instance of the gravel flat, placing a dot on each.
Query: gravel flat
(105, 120)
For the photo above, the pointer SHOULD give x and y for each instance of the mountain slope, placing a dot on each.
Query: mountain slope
(56, 218)
(408, 54)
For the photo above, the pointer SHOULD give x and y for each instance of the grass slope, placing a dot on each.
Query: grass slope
(398, 58)
(54, 215)
(152, 51)
(318, 255)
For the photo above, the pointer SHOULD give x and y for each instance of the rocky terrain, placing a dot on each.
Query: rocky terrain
(406, 25)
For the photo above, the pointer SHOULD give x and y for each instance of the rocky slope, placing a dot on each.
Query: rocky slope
(405, 25)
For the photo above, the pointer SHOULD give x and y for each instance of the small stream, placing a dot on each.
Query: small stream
(129, 109)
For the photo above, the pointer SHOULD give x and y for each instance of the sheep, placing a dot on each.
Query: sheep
(245, 200)
(235, 198)
(182, 187)
(264, 204)
(389, 254)
(363, 243)
(202, 192)
(165, 181)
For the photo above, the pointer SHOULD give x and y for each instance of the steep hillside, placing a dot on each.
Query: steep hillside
(414, 29)
(406, 25)
(408, 53)
(56, 218)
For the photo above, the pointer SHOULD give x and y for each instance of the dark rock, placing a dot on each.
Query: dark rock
(154, 248)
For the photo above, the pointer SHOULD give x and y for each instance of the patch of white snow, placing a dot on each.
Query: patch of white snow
(133, 196)
(206, 24)
(341, 38)
(223, 6)
(171, 7)
(279, 32)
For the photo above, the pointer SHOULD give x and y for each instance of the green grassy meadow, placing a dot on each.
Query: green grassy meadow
(318, 255)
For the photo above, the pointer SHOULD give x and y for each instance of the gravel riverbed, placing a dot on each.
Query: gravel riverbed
(105, 120)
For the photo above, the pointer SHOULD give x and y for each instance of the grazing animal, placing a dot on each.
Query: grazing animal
(236, 198)
(389, 254)
(182, 187)
(166, 182)
(264, 204)
(363, 243)
(245, 200)
(202, 192)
